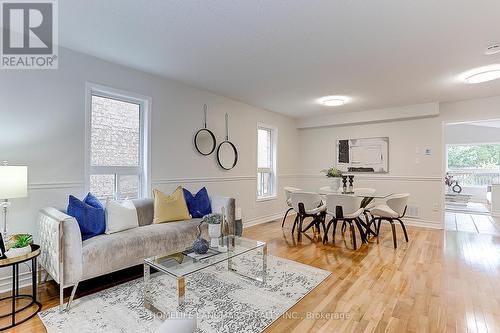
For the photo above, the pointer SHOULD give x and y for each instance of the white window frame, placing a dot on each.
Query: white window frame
(274, 162)
(144, 168)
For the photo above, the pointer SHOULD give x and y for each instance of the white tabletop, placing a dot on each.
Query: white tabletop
(376, 195)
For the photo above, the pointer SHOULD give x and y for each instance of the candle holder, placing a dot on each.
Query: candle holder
(344, 186)
(351, 184)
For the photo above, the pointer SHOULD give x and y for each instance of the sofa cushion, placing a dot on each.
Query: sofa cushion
(145, 211)
(168, 208)
(89, 214)
(198, 204)
(120, 216)
(107, 253)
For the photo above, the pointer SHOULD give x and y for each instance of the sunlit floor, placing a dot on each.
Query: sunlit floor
(471, 208)
(478, 223)
(441, 281)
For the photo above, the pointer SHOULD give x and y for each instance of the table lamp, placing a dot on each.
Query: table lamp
(13, 184)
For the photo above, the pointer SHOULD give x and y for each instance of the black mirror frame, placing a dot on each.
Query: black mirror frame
(213, 140)
(235, 155)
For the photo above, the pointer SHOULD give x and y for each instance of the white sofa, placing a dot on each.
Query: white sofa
(69, 260)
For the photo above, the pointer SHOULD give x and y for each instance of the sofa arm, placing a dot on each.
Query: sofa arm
(229, 205)
(61, 246)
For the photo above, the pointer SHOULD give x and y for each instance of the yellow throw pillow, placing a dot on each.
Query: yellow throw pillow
(168, 208)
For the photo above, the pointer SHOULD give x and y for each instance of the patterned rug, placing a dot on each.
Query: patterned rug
(222, 301)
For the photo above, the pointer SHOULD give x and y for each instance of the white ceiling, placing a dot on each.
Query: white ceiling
(283, 54)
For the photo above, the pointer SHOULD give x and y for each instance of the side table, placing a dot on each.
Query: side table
(14, 262)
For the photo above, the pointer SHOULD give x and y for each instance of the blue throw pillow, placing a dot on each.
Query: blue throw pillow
(89, 214)
(199, 204)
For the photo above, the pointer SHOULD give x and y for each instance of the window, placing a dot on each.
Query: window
(266, 162)
(474, 165)
(117, 144)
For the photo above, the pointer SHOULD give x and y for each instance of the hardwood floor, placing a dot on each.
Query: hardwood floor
(469, 222)
(441, 281)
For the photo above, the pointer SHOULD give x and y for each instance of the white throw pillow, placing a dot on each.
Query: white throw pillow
(120, 216)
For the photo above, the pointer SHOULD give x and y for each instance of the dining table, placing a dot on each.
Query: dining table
(367, 198)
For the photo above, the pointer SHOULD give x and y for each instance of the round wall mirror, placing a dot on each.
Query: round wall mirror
(204, 139)
(227, 155)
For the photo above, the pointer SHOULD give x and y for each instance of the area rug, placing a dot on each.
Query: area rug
(222, 301)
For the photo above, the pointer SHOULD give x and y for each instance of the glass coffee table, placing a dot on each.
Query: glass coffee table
(187, 263)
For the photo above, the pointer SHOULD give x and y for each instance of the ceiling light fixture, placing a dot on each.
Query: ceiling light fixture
(333, 100)
(482, 74)
(492, 49)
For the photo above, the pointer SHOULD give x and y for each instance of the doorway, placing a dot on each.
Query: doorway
(472, 165)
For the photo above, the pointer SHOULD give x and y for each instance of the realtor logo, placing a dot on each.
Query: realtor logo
(29, 34)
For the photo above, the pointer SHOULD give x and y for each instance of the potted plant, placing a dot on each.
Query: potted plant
(334, 175)
(22, 246)
(214, 228)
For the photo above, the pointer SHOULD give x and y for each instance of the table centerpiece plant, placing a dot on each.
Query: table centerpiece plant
(334, 175)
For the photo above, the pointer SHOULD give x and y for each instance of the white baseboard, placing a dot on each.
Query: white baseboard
(6, 281)
(416, 222)
(265, 219)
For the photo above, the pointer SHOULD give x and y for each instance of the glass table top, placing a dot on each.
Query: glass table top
(189, 263)
(360, 194)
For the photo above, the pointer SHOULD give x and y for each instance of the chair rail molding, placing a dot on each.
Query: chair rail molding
(375, 177)
(55, 185)
(202, 180)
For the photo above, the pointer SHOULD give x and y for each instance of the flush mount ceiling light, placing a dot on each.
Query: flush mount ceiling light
(482, 74)
(333, 100)
(492, 49)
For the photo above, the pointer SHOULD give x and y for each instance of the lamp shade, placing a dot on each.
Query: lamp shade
(13, 182)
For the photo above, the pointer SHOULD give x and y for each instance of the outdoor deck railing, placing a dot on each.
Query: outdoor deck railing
(475, 177)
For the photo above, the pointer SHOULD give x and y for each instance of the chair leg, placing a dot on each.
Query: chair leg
(353, 235)
(334, 229)
(393, 227)
(369, 222)
(323, 223)
(284, 218)
(294, 223)
(404, 229)
(361, 232)
(378, 225)
(344, 225)
(299, 229)
(368, 228)
(325, 239)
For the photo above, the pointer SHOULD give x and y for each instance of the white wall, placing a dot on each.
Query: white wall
(43, 123)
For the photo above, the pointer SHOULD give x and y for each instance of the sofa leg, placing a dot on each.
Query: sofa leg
(73, 291)
(61, 298)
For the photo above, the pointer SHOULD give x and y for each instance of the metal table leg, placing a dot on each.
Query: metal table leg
(14, 287)
(181, 285)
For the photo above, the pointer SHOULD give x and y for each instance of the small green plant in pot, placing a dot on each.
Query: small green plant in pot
(21, 245)
(334, 175)
(214, 228)
(22, 241)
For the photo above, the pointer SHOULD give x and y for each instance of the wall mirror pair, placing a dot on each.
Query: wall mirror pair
(205, 143)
